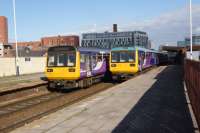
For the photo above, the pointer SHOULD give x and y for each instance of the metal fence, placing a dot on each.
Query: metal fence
(192, 80)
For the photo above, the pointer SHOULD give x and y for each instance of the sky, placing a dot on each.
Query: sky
(165, 21)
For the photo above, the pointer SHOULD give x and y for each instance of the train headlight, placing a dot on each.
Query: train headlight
(49, 70)
(71, 70)
(132, 65)
(113, 65)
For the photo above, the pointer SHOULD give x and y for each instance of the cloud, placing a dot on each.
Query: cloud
(167, 28)
(197, 29)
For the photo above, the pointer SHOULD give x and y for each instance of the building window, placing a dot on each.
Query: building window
(27, 59)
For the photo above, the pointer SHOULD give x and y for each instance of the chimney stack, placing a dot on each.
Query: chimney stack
(3, 30)
(114, 27)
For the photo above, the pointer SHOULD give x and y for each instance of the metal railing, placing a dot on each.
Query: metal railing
(192, 80)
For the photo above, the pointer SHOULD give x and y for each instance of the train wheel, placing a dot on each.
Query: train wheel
(89, 82)
(81, 84)
(86, 83)
(51, 86)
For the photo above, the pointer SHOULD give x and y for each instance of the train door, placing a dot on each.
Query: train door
(141, 58)
(146, 54)
(88, 65)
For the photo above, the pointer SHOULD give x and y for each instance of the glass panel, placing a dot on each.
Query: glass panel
(61, 60)
(71, 60)
(131, 56)
(123, 56)
(82, 58)
(51, 60)
(115, 56)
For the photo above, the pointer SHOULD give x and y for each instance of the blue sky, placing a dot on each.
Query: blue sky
(38, 18)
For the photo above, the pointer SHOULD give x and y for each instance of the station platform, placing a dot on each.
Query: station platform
(14, 82)
(153, 102)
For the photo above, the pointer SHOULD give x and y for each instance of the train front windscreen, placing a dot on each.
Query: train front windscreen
(61, 57)
(122, 56)
(64, 59)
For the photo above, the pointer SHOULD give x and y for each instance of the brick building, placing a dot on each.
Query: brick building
(49, 41)
(36, 47)
(6, 51)
(3, 30)
(60, 40)
(33, 45)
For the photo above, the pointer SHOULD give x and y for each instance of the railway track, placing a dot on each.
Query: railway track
(20, 93)
(17, 114)
(13, 115)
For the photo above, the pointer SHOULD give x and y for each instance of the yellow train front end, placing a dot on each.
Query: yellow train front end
(123, 61)
(63, 65)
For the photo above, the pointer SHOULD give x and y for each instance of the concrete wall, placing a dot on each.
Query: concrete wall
(35, 65)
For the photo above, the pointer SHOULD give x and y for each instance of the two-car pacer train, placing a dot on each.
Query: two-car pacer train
(68, 66)
(125, 61)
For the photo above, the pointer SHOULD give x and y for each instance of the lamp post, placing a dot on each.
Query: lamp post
(16, 46)
(191, 40)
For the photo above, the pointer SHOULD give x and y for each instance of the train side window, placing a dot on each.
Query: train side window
(94, 61)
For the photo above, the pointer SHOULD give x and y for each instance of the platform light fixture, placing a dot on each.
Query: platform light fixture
(191, 40)
(16, 45)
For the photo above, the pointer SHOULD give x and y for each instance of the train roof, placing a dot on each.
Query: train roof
(133, 48)
(81, 49)
(94, 50)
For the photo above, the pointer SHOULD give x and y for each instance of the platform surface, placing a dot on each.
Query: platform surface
(150, 103)
(14, 82)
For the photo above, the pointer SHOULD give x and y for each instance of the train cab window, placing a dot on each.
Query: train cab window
(61, 60)
(123, 56)
(127, 56)
(51, 60)
(115, 57)
(71, 59)
(131, 56)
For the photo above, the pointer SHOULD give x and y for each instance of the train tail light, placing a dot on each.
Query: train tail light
(113, 65)
(49, 70)
(72, 70)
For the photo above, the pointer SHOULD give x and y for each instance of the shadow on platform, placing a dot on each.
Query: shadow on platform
(162, 109)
